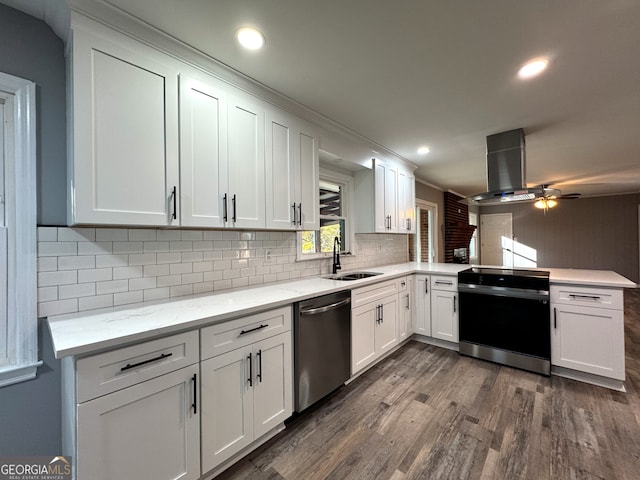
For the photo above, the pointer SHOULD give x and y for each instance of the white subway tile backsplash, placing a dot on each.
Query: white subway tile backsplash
(77, 290)
(155, 270)
(56, 249)
(156, 294)
(127, 247)
(47, 264)
(91, 303)
(88, 268)
(112, 234)
(47, 279)
(127, 297)
(76, 262)
(105, 261)
(58, 307)
(95, 248)
(127, 272)
(113, 286)
(76, 234)
(47, 234)
(95, 275)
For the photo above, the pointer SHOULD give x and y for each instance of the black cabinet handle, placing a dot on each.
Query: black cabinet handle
(454, 304)
(555, 318)
(592, 297)
(174, 194)
(195, 393)
(129, 366)
(381, 313)
(300, 214)
(244, 332)
(250, 370)
(426, 286)
(295, 219)
(224, 208)
(259, 374)
(233, 203)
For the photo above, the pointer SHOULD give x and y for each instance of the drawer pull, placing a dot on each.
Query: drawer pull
(244, 332)
(195, 394)
(576, 296)
(129, 366)
(441, 282)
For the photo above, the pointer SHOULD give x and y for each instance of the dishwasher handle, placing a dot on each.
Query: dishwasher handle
(326, 308)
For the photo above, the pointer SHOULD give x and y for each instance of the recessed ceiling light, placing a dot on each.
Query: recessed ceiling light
(250, 38)
(533, 68)
(423, 150)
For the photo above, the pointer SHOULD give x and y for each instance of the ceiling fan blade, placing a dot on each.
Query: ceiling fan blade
(570, 196)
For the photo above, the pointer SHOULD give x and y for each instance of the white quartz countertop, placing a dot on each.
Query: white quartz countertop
(88, 332)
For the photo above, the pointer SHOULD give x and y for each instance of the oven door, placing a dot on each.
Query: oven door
(507, 319)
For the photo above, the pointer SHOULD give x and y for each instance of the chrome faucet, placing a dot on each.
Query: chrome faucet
(336, 255)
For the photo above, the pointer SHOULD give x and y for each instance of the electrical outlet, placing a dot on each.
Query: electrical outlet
(268, 258)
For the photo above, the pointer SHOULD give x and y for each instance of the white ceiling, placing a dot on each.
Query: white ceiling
(443, 73)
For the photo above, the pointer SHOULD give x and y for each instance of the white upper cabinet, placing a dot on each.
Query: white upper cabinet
(123, 164)
(244, 170)
(203, 151)
(385, 199)
(406, 202)
(291, 165)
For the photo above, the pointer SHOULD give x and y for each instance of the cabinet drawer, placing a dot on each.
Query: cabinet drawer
(226, 336)
(364, 295)
(110, 371)
(444, 282)
(588, 297)
(403, 284)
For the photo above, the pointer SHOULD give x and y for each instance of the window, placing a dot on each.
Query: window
(18, 318)
(334, 208)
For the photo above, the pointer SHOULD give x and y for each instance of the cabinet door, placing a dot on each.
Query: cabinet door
(422, 317)
(273, 390)
(406, 307)
(406, 202)
(281, 201)
(387, 328)
(147, 431)
(588, 339)
(227, 406)
(307, 177)
(245, 167)
(444, 315)
(203, 151)
(391, 198)
(363, 336)
(380, 215)
(125, 134)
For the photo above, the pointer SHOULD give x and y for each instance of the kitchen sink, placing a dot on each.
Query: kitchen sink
(353, 276)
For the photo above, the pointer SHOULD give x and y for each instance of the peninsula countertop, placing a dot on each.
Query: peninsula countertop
(92, 331)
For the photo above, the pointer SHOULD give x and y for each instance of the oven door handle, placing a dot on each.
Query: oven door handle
(504, 291)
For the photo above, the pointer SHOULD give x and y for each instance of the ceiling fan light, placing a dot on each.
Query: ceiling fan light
(551, 203)
(541, 203)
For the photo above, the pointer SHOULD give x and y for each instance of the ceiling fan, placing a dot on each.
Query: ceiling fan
(550, 197)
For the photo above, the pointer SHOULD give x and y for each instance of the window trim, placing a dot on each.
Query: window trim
(21, 220)
(347, 196)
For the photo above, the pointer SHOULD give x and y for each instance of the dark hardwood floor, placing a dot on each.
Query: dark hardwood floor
(426, 412)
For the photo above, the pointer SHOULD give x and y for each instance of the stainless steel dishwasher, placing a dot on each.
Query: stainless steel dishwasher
(322, 346)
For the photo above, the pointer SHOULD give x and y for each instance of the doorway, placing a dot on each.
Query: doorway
(496, 231)
(423, 246)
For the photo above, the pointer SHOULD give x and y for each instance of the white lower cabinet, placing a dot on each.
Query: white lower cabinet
(374, 331)
(246, 392)
(134, 413)
(587, 331)
(147, 431)
(406, 307)
(444, 308)
(422, 313)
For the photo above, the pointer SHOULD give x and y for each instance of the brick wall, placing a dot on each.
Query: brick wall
(457, 231)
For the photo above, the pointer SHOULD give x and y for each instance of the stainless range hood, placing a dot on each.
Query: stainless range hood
(506, 171)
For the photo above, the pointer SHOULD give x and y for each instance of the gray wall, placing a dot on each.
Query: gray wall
(30, 411)
(592, 233)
